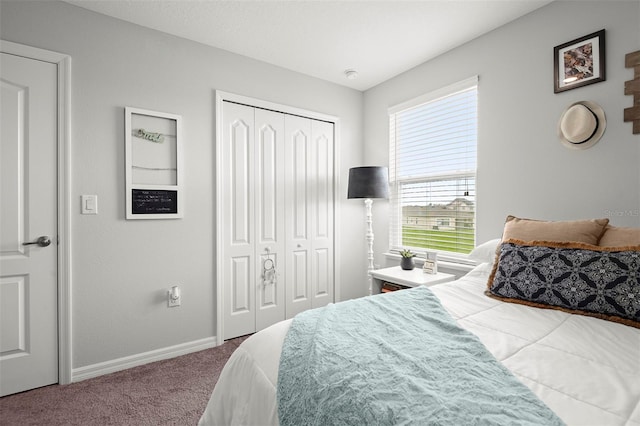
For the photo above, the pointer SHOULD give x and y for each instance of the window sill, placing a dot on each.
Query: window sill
(460, 266)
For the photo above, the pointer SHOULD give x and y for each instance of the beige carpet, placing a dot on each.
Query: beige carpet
(169, 392)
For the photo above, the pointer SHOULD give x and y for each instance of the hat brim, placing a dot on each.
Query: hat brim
(602, 125)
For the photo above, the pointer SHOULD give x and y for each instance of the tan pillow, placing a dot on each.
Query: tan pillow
(581, 231)
(617, 236)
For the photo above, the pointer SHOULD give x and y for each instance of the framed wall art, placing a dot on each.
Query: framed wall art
(579, 62)
(153, 165)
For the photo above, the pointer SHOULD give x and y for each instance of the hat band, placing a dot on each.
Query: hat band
(595, 129)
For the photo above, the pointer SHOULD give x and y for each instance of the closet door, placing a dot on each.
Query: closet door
(299, 199)
(270, 218)
(276, 217)
(309, 204)
(238, 262)
(321, 216)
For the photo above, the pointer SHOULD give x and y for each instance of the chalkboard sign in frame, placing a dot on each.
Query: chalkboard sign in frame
(154, 175)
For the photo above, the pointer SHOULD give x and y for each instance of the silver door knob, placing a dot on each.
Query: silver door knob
(43, 241)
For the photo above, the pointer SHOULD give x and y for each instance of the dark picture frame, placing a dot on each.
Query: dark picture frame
(579, 62)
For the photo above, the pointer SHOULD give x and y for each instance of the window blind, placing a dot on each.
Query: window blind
(432, 170)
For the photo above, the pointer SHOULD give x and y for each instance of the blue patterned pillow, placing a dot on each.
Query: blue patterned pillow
(577, 278)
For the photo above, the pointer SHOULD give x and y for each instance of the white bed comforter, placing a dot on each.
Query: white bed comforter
(585, 369)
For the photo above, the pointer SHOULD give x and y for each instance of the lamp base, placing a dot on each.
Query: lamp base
(368, 202)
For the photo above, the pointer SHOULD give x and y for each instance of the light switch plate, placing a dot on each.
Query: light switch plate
(89, 204)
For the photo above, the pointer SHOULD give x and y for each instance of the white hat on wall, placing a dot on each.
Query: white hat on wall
(582, 125)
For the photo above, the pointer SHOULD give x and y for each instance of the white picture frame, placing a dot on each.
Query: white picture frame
(154, 178)
(430, 265)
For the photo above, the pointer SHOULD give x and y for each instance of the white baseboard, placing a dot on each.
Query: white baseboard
(119, 364)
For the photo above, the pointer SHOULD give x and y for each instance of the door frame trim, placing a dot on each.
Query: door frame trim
(220, 97)
(63, 64)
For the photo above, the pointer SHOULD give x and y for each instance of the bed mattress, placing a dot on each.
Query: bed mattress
(585, 369)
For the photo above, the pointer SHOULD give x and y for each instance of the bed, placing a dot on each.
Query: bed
(585, 369)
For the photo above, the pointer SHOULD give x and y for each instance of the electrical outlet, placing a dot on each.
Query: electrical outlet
(174, 297)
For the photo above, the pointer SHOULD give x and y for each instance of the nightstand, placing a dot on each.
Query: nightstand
(406, 279)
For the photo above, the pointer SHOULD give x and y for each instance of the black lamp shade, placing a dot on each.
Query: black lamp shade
(368, 182)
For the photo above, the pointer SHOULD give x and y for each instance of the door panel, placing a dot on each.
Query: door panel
(322, 218)
(14, 131)
(324, 192)
(300, 293)
(300, 145)
(322, 274)
(238, 217)
(14, 315)
(241, 285)
(299, 207)
(270, 218)
(241, 170)
(28, 189)
(267, 184)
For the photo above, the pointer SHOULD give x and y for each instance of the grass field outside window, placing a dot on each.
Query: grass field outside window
(461, 241)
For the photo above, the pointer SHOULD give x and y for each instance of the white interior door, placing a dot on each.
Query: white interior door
(299, 205)
(28, 176)
(310, 213)
(238, 217)
(254, 235)
(270, 218)
(322, 282)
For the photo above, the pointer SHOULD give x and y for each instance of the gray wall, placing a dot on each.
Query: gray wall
(522, 167)
(122, 269)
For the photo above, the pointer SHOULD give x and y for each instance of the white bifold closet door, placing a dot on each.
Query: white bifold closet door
(277, 209)
(309, 212)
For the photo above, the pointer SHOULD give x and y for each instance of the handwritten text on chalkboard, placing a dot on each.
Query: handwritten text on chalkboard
(154, 201)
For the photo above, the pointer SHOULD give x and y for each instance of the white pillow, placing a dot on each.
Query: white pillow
(485, 252)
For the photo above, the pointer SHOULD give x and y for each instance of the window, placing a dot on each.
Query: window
(432, 170)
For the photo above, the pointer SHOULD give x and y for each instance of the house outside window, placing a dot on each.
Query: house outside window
(432, 170)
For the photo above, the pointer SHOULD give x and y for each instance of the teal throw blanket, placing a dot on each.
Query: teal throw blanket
(396, 359)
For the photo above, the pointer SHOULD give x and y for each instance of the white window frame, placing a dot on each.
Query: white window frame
(395, 211)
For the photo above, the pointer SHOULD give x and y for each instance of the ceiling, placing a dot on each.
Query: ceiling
(322, 38)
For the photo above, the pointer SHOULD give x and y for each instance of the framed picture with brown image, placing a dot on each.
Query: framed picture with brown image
(579, 62)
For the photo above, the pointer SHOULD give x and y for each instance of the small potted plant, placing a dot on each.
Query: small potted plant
(406, 262)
